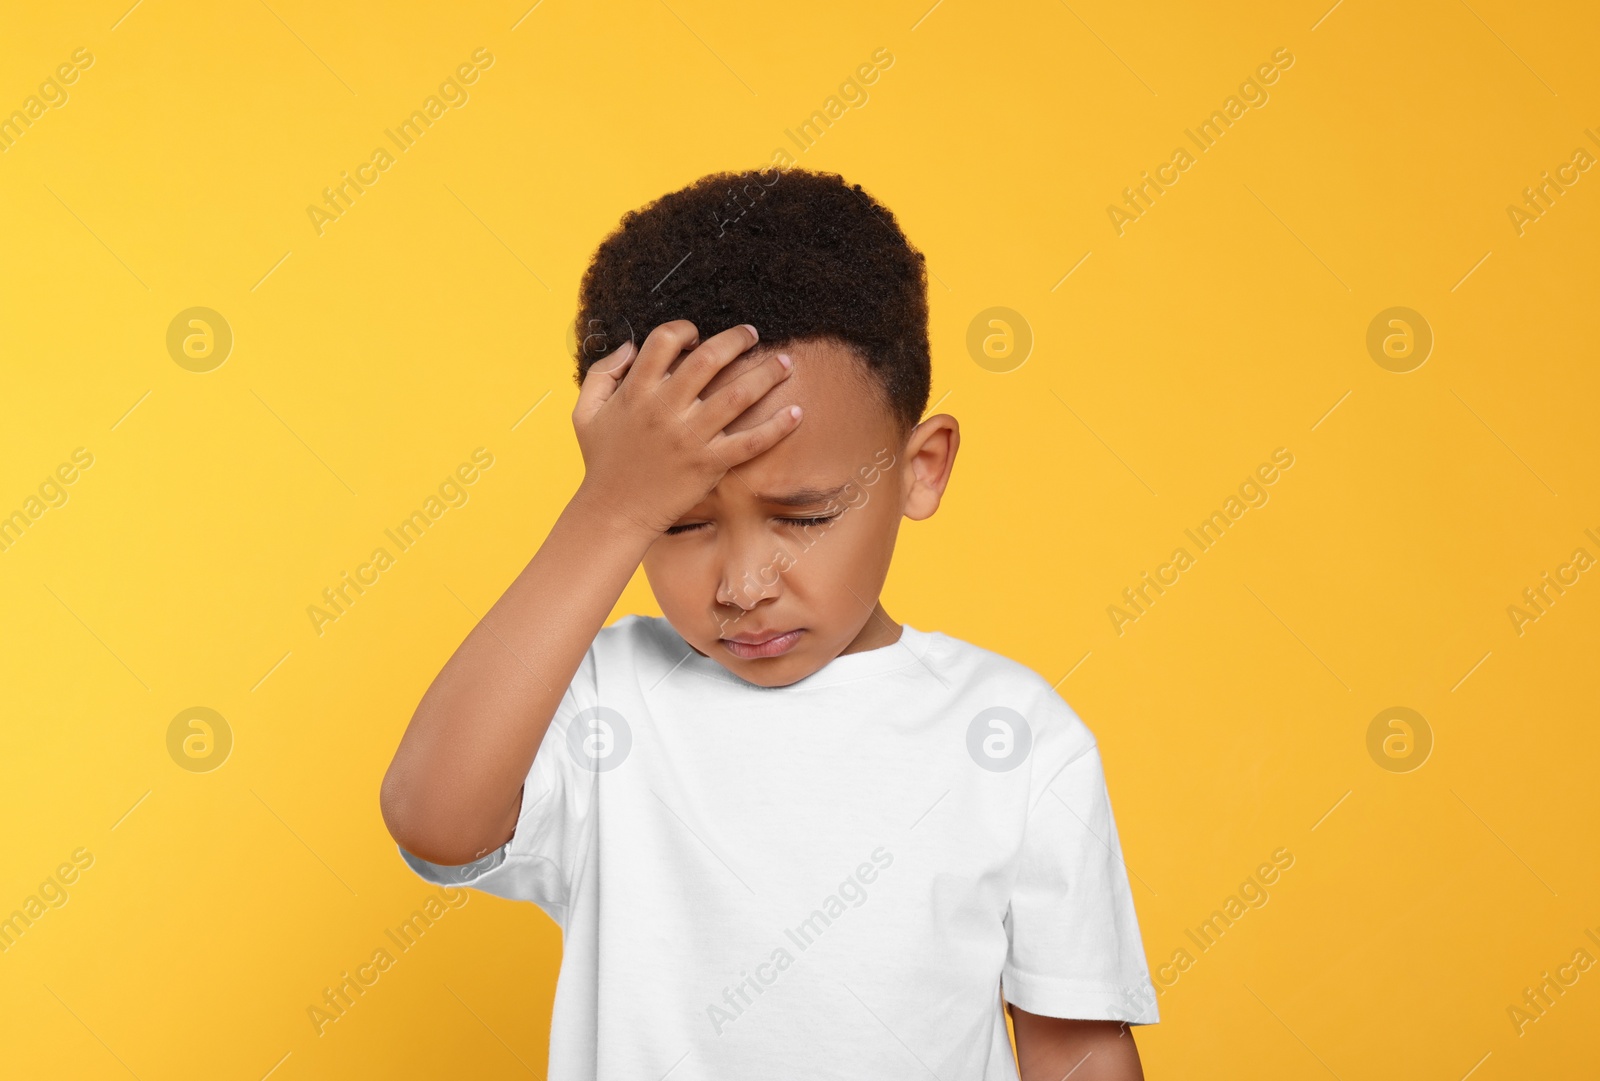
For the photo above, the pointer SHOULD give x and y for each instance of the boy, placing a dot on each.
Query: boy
(784, 835)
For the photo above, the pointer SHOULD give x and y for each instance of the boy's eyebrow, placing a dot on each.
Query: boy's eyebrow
(802, 497)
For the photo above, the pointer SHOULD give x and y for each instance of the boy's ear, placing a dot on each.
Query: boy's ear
(930, 455)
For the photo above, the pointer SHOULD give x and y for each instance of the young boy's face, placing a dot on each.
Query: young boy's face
(799, 538)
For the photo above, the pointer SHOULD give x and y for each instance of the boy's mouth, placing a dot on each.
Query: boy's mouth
(762, 643)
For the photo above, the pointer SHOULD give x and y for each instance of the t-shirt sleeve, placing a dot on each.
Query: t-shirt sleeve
(1075, 949)
(553, 824)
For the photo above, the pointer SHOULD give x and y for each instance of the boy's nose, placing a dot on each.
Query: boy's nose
(750, 577)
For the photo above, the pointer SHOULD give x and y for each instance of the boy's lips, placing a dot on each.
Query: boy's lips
(754, 644)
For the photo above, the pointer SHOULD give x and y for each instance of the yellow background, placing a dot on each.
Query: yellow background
(1229, 321)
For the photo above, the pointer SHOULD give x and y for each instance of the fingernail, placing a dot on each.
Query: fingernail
(783, 358)
(753, 332)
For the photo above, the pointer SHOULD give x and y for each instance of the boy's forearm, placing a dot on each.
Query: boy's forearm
(452, 792)
(1051, 1048)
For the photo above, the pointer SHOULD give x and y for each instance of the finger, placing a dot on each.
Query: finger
(601, 380)
(661, 347)
(685, 351)
(739, 447)
(716, 412)
(709, 357)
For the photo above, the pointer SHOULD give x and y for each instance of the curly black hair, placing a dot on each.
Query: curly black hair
(800, 255)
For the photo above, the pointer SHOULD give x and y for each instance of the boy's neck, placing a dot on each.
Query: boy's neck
(880, 630)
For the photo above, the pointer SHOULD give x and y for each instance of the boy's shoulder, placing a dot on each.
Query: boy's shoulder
(1011, 688)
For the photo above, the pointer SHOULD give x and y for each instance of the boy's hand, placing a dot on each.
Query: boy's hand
(652, 447)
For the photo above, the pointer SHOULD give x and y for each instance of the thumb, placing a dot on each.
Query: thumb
(600, 382)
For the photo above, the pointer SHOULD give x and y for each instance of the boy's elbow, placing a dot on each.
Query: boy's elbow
(411, 832)
(407, 818)
(425, 832)
(446, 852)
(395, 804)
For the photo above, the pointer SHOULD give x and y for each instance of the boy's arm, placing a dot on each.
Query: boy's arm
(1052, 1048)
(453, 790)
(652, 449)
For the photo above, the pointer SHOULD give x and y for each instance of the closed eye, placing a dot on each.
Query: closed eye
(673, 531)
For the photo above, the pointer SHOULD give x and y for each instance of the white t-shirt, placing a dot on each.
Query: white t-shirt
(838, 878)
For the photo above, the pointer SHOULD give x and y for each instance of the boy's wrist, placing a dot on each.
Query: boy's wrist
(596, 506)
